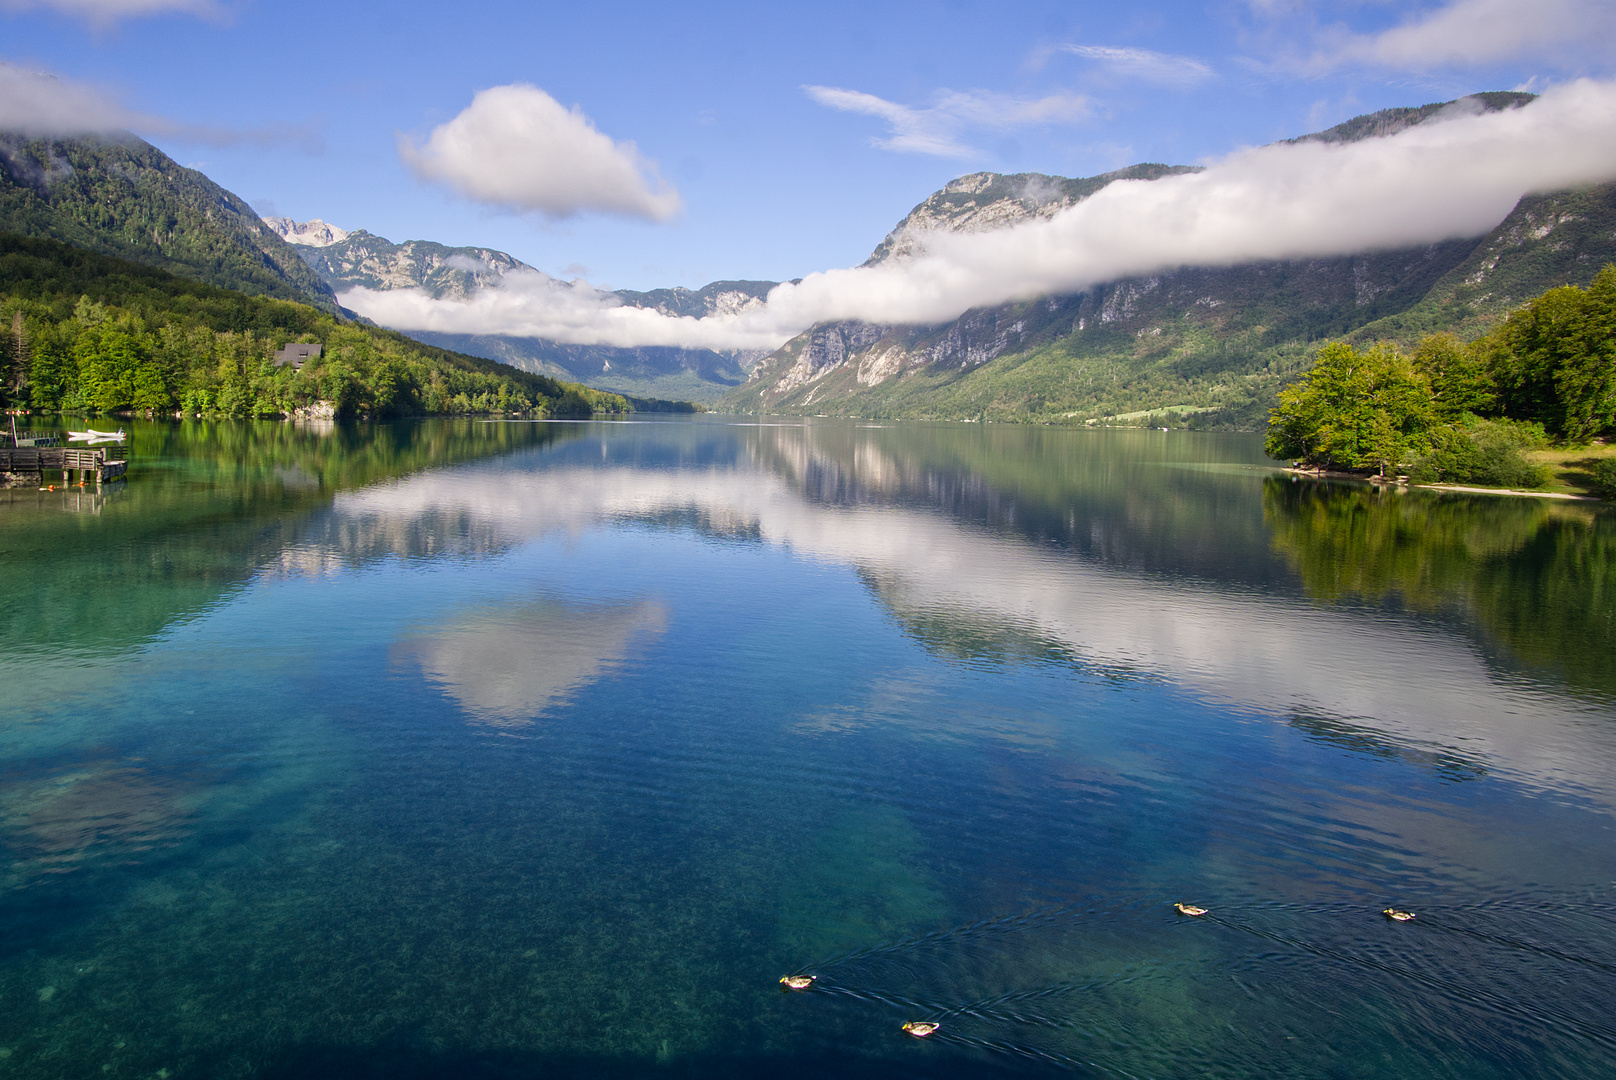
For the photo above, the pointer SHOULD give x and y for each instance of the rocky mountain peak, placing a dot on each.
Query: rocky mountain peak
(1386, 122)
(982, 201)
(971, 184)
(314, 233)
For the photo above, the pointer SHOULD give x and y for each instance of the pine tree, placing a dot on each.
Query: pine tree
(17, 370)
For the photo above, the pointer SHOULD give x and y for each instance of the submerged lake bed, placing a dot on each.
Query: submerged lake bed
(495, 749)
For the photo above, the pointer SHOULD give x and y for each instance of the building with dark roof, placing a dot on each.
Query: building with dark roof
(297, 354)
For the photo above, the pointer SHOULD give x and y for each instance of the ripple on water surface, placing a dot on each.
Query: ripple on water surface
(550, 754)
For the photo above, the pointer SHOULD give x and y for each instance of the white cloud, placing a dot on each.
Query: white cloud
(110, 12)
(937, 130)
(468, 263)
(518, 148)
(530, 303)
(40, 104)
(1453, 178)
(1477, 33)
(1143, 64)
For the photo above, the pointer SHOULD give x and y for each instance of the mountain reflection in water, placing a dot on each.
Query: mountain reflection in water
(492, 749)
(1045, 565)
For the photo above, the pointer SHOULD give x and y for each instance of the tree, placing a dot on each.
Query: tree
(112, 363)
(1354, 410)
(16, 383)
(1552, 358)
(1586, 380)
(1458, 375)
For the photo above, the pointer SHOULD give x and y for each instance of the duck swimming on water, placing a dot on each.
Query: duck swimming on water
(920, 1028)
(798, 982)
(1189, 909)
(1398, 915)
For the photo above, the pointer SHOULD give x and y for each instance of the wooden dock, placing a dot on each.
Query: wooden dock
(31, 464)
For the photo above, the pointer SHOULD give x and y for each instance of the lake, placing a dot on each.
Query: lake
(503, 749)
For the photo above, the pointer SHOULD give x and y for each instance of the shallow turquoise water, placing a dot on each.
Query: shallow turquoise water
(546, 749)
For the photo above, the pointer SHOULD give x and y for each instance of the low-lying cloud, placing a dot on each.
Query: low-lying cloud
(938, 129)
(42, 105)
(529, 303)
(39, 104)
(1455, 177)
(517, 148)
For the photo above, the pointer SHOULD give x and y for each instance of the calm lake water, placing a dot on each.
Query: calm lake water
(516, 749)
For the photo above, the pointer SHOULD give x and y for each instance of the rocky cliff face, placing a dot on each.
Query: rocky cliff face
(983, 201)
(717, 298)
(1206, 338)
(362, 259)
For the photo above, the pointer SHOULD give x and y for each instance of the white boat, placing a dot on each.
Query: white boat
(92, 435)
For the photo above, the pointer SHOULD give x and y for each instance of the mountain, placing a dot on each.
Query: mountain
(983, 201)
(1218, 341)
(663, 371)
(121, 196)
(345, 260)
(87, 331)
(360, 259)
(314, 233)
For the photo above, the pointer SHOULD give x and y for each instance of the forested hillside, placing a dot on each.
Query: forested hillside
(122, 196)
(82, 331)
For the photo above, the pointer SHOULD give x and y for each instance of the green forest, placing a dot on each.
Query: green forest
(83, 332)
(1463, 412)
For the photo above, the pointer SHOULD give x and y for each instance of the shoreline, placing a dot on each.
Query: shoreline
(1465, 489)
(1511, 491)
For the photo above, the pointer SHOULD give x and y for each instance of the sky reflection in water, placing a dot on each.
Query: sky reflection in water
(516, 748)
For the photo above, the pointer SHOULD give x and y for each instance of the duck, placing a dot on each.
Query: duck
(1398, 915)
(798, 982)
(1189, 909)
(921, 1028)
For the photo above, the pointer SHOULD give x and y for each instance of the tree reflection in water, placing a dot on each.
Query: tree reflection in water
(1537, 576)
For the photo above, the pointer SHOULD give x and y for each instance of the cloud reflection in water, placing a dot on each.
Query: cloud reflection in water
(506, 664)
(1257, 651)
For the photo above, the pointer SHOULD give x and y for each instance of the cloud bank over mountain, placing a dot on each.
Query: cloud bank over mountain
(42, 105)
(530, 303)
(517, 148)
(1455, 176)
(38, 103)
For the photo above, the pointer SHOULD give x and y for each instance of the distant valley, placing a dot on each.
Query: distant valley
(345, 260)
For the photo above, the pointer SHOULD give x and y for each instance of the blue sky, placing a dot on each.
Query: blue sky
(306, 103)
